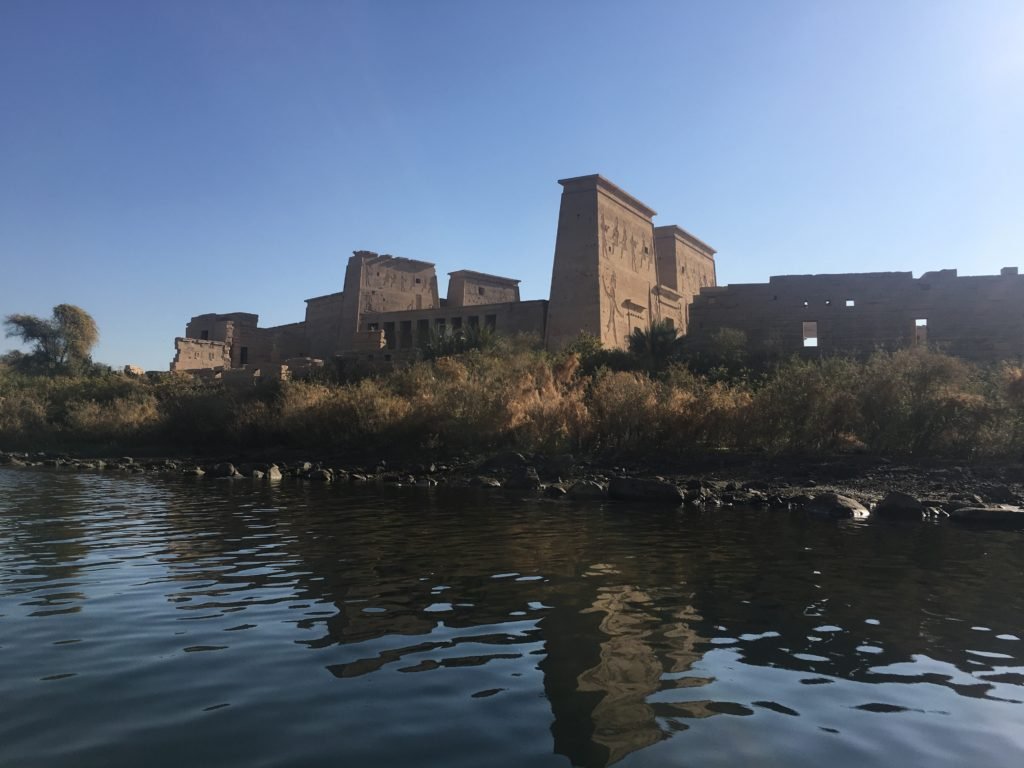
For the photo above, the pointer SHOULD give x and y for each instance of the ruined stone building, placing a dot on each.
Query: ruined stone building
(614, 271)
(979, 318)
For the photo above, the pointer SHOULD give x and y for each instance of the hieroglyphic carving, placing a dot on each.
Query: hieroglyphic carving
(632, 245)
(609, 284)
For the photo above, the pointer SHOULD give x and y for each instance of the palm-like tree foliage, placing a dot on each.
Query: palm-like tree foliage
(656, 347)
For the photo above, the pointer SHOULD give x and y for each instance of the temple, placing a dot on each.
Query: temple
(615, 272)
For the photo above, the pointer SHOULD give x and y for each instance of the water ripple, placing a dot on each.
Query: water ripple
(142, 620)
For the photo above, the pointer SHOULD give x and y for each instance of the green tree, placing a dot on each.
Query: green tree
(60, 344)
(657, 347)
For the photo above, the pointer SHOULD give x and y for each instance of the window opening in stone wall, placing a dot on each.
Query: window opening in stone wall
(480, 290)
(389, 335)
(243, 355)
(205, 335)
(456, 323)
(423, 330)
(490, 322)
(439, 325)
(670, 322)
(474, 321)
(810, 334)
(851, 303)
(405, 333)
(921, 330)
(419, 280)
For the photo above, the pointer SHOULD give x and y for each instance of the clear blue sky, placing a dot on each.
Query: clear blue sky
(164, 159)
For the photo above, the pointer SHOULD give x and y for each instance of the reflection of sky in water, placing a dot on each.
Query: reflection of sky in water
(145, 619)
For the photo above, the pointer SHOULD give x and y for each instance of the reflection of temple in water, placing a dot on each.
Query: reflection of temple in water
(603, 663)
(608, 644)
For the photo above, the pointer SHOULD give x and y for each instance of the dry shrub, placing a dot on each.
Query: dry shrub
(701, 413)
(546, 409)
(807, 406)
(325, 416)
(624, 410)
(22, 415)
(920, 401)
(911, 401)
(120, 418)
(1013, 384)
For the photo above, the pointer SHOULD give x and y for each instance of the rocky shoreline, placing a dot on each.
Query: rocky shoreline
(858, 487)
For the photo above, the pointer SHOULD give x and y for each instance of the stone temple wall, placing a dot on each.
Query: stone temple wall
(610, 274)
(466, 288)
(685, 265)
(605, 264)
(323, 325)
(200, 354)
(407, 330)
(376, 283)
(979, 318)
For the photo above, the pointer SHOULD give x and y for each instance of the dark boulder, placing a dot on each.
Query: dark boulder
(998, 494)
(503, 462)
(990, 515)
(835, 507)
(587, 490)
(899, 506)
(523, 479)
(562, 463)
(643, 489)
(701, 495)
(224, 469)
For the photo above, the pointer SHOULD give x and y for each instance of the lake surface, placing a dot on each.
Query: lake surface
(165, 622)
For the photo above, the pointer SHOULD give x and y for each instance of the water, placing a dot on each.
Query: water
(164, 622)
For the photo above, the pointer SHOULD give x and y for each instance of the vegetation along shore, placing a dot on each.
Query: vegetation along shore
(652, 423)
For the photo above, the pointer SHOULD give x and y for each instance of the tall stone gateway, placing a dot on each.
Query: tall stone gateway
(605, 271)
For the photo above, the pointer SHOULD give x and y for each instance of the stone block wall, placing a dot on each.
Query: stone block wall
(196, 354)
(685, 265)
(376, 283)
(271, 346)
(605, 265)
(408, 330)
(323, 325)
(979, 318)
(468, 288)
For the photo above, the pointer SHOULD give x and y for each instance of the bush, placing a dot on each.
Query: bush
(514, 395)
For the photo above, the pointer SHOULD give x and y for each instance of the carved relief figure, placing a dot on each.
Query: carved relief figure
(609, 285)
